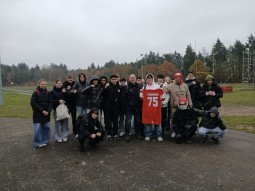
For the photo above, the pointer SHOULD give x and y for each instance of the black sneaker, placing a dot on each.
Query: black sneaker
(215, 140)
(139, 137)
(109, 137)
(204, 139)
(127, 138)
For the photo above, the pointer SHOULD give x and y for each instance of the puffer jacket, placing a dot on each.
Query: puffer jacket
(40, 101)
(81, 100)
(93, 94)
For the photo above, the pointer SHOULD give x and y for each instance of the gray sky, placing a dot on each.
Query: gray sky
(79, 32)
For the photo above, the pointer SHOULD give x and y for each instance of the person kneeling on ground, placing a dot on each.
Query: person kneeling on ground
(211, 123)
(91, 129)
(185, 122)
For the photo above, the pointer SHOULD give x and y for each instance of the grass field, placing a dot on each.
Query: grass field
(17, 105)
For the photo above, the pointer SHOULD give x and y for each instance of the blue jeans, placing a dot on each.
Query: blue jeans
(149, 130)
(41, 133)
(217, 132)
(121, 122)
(81, 110)
(61, 130)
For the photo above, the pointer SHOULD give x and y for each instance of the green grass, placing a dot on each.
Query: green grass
(15, 105)
(239, 98)
(243, 123)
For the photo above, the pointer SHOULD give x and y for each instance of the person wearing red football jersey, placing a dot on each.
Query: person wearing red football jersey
(152, 96)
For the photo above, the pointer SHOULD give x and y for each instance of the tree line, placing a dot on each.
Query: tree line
(225, 64)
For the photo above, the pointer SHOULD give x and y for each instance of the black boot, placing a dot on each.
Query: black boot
(215, 140)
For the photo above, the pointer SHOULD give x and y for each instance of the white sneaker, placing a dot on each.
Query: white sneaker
(122, 134)
(109, 137)
(60, 141)
(160, 139)
(64, 140)
(173, 134)
(147, 139)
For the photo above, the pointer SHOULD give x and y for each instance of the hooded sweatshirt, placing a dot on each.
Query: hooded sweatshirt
(212, 122)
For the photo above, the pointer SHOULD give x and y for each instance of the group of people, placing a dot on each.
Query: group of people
(98, 107)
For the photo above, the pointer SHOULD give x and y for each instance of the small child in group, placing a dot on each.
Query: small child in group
(90, 128)
(211, 123)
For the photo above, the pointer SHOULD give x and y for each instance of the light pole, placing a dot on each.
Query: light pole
(1, 87)
(214, 61)
(142, 65)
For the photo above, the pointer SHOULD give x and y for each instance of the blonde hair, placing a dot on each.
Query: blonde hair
(41, 80)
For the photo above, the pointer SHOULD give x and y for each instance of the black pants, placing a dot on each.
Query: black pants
(164, 119)
(187, 131)
(111, 116)
(91, 141)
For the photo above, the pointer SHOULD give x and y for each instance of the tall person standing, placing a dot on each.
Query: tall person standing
(41, 103)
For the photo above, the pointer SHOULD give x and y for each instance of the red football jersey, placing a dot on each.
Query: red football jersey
(151, 113)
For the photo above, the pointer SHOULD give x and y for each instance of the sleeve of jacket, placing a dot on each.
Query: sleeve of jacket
(218, 92)
(188, 95)
(86, 90)
(100, 126)
(33, 103)
(50, 102)
(84, 127)
(222, 126)
(55, 100)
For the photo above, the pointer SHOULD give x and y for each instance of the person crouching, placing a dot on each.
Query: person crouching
(185, 122)
(211, 123)
(90, 128)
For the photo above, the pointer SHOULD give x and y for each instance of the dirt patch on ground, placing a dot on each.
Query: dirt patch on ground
(237, 111)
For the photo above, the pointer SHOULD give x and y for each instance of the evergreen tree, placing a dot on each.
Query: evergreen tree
(188, 59)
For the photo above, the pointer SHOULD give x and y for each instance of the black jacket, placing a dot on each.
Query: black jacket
(41, 100)
(89, 125)
(81, 100)
(93, 94)
(56, 95)
(185, 117)
(211, 101)
(130, 97)
(195, 90)
(69, 95)
(111, 97)
(212, 122)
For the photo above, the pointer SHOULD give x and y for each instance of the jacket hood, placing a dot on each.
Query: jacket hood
(209, 77)
(93, 77)
(152, 86)
(214, 110)
(93, 110)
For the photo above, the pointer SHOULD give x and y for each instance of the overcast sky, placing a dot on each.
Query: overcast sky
(79, 32)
